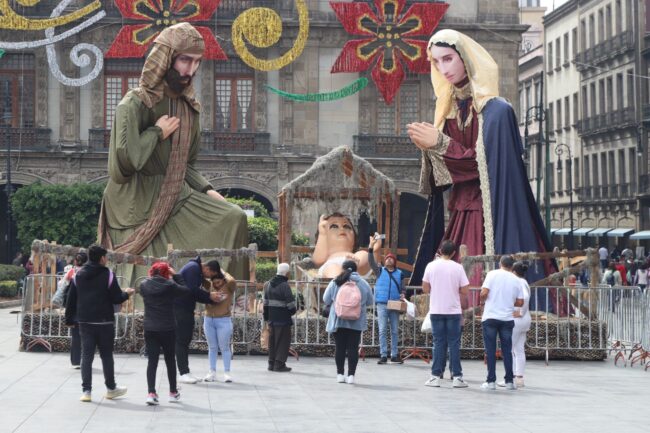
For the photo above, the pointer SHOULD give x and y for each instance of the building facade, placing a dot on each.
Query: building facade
(253, 141)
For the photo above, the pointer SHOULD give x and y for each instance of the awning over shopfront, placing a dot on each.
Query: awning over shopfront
(553, 231)
(562, 232)
(619, 233)
(598, 232)
(582, 231)
(641, 235)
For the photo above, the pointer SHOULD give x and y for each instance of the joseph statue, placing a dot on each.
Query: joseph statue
(155, 195)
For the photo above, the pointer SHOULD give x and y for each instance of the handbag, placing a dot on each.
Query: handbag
(426, 325)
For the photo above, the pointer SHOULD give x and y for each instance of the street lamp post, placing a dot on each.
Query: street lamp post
(7, 123)
(560, 148)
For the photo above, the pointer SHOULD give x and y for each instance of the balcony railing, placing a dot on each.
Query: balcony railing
(25, 138)
(606, 50)
(385, 146)
(256, 143)
(602, 122)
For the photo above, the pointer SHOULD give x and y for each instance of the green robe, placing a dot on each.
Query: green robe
(137, 163)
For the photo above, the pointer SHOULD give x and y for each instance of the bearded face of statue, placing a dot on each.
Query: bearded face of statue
(448, 62)
(179, 77)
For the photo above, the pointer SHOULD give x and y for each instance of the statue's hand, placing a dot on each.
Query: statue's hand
(168, 125)
(322, 226)
(423, 135)
(214, 194)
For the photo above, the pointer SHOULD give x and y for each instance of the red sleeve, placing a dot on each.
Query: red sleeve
(460, 161)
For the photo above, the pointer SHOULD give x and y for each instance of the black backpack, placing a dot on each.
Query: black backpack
(610, 279)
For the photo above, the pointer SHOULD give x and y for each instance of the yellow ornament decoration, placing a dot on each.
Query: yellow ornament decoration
(13, 21)
(262, 28)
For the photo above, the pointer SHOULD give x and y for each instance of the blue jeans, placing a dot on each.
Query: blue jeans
(383, 316)
(446, 330)
(218, 331)
(492, 327)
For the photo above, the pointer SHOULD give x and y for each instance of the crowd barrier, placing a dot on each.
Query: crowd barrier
(598, 319)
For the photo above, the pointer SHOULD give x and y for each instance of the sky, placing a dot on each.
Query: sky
(550, 3)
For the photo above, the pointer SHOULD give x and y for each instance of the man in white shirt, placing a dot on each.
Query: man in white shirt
(603, 255)
(500, 294)
(444, 280)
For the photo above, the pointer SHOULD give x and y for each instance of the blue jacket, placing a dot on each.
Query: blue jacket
(333, 321)
(192, 273)
(387, 288)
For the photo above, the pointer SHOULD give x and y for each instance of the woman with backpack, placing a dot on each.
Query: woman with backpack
(612, 277)
(60, 298)
(349, 295)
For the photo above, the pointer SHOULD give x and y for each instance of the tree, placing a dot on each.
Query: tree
(67, 214)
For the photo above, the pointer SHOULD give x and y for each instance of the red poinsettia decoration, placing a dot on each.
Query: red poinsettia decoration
(388, 39)
(133, 40)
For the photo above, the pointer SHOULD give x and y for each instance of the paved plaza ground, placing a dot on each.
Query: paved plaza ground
(39, 393)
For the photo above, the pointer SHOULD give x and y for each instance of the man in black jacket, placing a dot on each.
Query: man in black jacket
(194, 272)
(91, 296)
(279, 306)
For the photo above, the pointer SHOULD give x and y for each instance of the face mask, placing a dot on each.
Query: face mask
(176, 83)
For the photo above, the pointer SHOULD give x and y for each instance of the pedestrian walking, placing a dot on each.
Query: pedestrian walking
(348, 296)
(445, 281)
(279, 306)
(501, 292)
(93, 292)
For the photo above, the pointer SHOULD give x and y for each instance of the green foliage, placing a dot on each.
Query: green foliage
(67, 214)
(8, 289)
(265, 270)
(11, 273)
(298, 239)
(263, 232)
(249, 203)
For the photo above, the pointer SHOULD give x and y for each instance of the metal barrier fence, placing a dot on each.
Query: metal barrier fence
(44, 322)
(597, 318)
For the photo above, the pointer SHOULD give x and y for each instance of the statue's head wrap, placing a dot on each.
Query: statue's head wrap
(178, 39)
(482, 72)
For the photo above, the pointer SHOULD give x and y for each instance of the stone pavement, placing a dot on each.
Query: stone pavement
(39, 393)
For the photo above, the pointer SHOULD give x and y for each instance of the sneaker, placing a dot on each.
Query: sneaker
(459, 382)
(118, 391)
(340, 378)
(187, 378)
(85, 397)
(75, 367)
(152, 399)
(502, 384)
(198, 379)
(174, 397)
(434, 381)
(350, 379)
(382, 360)
(282, 369)
(227, 378)
(210, 377)
(510, 386)
(489, 386)
(519, 382)
(396, 360)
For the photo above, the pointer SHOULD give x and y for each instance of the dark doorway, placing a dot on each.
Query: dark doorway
(413, 211)
(9, 245)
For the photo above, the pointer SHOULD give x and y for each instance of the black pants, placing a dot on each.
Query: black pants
(75, 346)
(347, 344)
(154, 340)
(97, 337)
(184, 333)
(279, 342)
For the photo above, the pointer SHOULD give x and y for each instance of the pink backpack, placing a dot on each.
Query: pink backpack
(347, 304)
